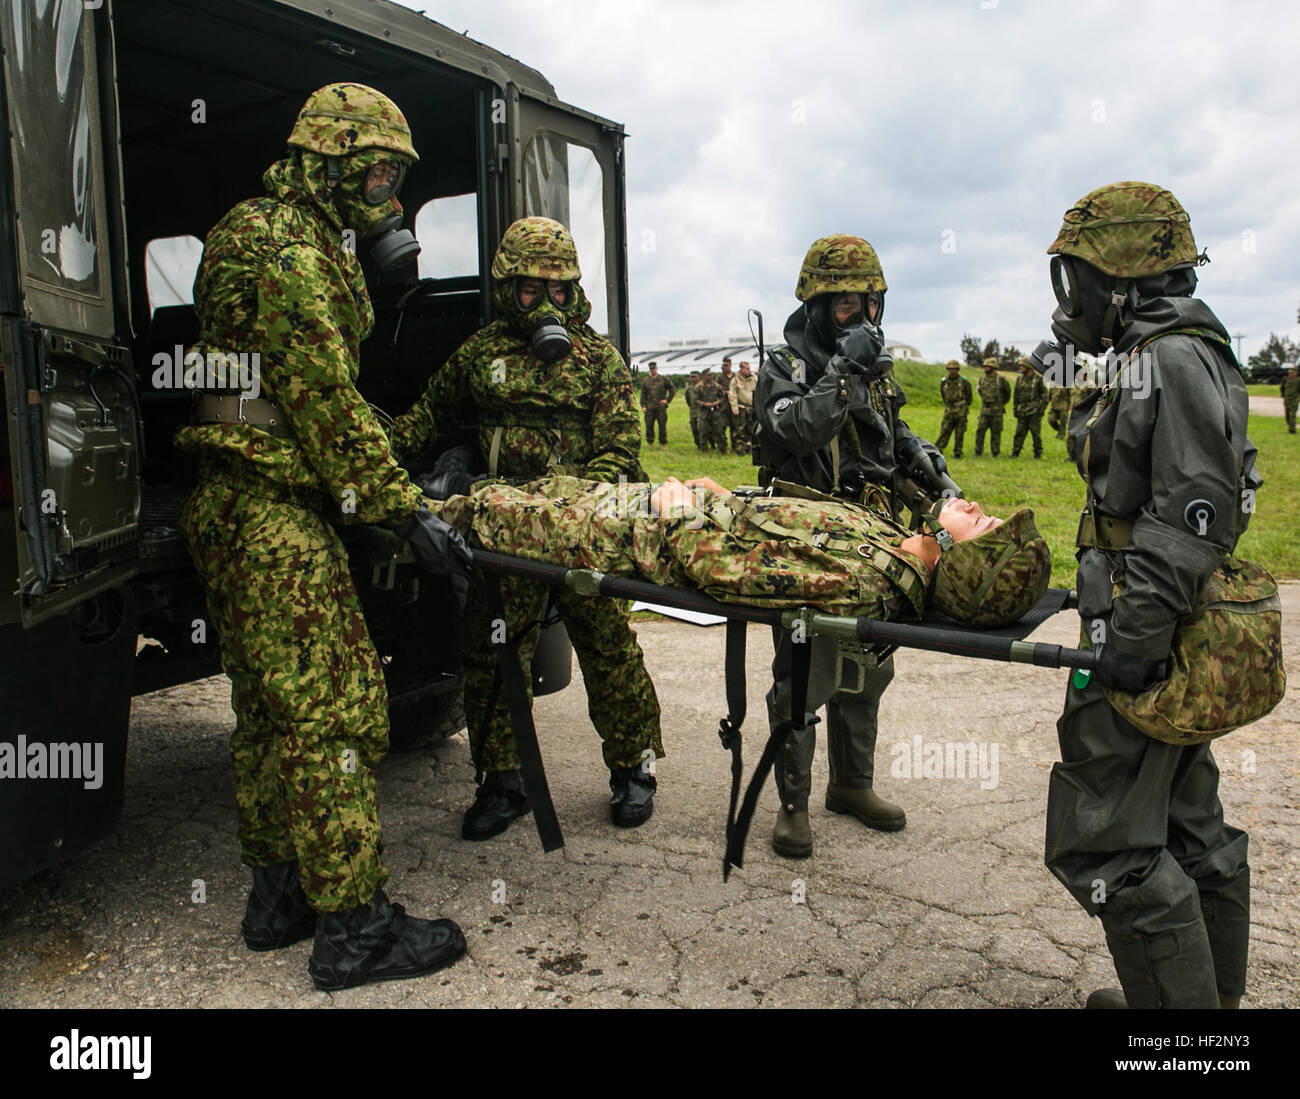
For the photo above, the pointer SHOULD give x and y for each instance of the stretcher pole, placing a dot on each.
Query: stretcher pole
(870, 631)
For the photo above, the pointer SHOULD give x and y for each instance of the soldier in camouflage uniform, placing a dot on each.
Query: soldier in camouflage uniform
(741, 398)
(828, 410)
(1290, 395)
(758, 552)
(543, 392)
(725, 377)
(994, 393)
(692, 387)
(1058, 409)
(657, 393)
(1028, 404)
(1135, 829)
(710, 404)
(956, 394)
(311, 711)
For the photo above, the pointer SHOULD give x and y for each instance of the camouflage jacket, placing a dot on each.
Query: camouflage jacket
(1290, 389)
(1031, 396)
(709, 396)
(689, 396)
(741, 393)
(774, 552)
(277, 281)
(1159, 454)
(575, 416)
(994, 393)
(803, 411)
(955, 393)
(656, 388)
(1058, 397)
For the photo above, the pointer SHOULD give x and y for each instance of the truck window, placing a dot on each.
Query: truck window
(447, 229)
(170, 264)
(564, 181)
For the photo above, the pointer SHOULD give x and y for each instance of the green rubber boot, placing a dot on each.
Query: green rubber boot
(868, 806)
(792, 836)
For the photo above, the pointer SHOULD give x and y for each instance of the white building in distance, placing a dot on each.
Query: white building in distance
(683, 356)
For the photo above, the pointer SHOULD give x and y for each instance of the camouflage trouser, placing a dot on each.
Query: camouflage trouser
(713, 429)
(1058, 419)
(1135, 832)
(1289, 407)
(851, 722)
(695, 428)
(311, 709)
(621, 700)
(656, 416)
(1033, 425)
(954, 424)
(992, 423)
(742, 429)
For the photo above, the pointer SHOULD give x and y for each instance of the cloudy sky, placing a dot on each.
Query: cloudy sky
(952, 134)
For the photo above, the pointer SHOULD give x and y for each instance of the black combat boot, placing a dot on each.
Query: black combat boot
(278, 913)
(1226, 913)
(631, 798)
(499, 800)
(1170, 969)
(379, 942)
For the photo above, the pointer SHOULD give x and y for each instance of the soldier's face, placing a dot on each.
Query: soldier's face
(529, 292)
(965, 519)
(382, 182)
(846, 309)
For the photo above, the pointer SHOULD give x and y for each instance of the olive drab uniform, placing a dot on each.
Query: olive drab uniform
(994, 393)
(956, 394)
(530, 418)
(692, 405)
(1028, 404)
(1290, 397)
(1135, 829)
(835, 431)
(711, 405)
(655, 388)
(311, 710)
(725, 377)
(741, 397)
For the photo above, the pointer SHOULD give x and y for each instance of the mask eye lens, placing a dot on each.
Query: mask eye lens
(560, 293)
(846, 310)
(382, 182)
(528, 293)
(1063, 287)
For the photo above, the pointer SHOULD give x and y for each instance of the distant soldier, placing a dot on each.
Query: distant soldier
(693, 408)
(1058, 409)
(1028, 405)
(956, 393)
(711, 400)
(724, 383)
(741, 396)
(1290, 395)
(994, 391)
(657, 393)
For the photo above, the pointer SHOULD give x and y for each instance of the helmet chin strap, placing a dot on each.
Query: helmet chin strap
(332, 172)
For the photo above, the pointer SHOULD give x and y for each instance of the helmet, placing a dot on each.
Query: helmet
(952, 363)
(990, 362)
(1127, 230)
(536, 248)
(341, 119)
(997, 578)
(839, 264)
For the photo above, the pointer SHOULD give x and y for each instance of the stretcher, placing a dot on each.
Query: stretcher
(861, 642)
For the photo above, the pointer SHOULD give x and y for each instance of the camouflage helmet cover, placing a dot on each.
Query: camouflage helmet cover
(839, 264)
(1127, 230)
(953, 363)
(536, 248)
(990, 361)
(342, 119)
(997, 578)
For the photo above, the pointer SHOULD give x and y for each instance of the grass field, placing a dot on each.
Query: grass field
(1050, 485)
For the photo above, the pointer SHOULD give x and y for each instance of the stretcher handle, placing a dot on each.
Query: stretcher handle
(871, 631)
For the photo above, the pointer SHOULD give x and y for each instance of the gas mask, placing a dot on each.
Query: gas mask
(821, 315)
(366, 198)
(1090, 305)
(544, 310)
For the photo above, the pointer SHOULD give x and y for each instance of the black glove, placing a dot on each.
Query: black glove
(1122, 672)
(437, 545)
(859, 347)
(928, 470)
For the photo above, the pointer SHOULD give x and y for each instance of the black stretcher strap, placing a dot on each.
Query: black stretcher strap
(800, 666)
(511, 676)
(729, 726)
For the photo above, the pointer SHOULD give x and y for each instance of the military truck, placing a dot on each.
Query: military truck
(133, 126)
